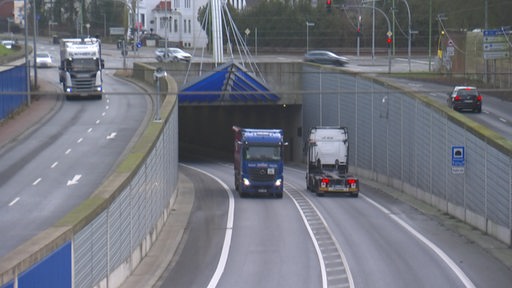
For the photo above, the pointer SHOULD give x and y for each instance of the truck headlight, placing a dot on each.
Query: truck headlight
(278, 182)
(246, 182)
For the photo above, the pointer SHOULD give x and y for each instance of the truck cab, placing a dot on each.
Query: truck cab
(81, 65)
(258, 161)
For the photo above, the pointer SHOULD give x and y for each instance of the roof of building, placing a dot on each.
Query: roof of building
(228, 83)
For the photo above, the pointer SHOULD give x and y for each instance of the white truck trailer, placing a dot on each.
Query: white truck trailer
(327, 163)
(81, 65)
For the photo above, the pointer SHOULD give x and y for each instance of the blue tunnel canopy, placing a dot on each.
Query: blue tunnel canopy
(229, 82)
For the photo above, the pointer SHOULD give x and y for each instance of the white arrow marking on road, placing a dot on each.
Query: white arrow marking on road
(14, 201)
(68, 151)
(79, 140)
(74, 180)
(90, 130)
(37, 181)
(54, 164)
(112, 135)
(97, 121)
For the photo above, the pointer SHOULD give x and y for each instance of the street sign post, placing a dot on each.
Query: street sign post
(495, 44)
(458, 159)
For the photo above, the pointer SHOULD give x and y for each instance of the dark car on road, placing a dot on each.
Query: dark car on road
(325, 57)
(465, 98)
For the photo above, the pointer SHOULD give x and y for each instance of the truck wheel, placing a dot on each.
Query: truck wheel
(354, 195)
(278, 195)
(319, 194)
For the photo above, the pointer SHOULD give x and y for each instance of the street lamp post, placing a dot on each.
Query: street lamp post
(159, 73)
(308, 24)
(373, 25)
(88, 26)
(389, 26)
(408, 35)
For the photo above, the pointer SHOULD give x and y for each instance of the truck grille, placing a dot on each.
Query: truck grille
(260, 174)
(83, 84)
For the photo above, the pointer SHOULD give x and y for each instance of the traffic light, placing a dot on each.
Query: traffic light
(328, 5)
(389, 40)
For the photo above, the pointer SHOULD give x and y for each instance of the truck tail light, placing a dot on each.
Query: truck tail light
(479, 98)
(352, 182)
(324, 182)
(456, 98)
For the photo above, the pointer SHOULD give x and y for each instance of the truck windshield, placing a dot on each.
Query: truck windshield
(84, 64)
(266, 153)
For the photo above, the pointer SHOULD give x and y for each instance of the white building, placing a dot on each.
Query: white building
(183, 26)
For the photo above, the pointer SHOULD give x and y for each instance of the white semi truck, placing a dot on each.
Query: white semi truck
(81, 65)
(327, 163)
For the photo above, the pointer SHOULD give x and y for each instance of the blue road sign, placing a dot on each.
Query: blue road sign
(458, 156)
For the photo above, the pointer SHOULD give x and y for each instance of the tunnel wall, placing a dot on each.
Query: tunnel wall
(406, 141)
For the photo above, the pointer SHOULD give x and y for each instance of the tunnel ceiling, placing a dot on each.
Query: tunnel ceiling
(228, 83)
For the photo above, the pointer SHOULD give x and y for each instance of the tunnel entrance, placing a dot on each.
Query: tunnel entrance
(207, 128)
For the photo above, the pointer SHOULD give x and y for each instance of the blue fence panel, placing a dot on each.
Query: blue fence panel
(13, 90)
(53, 271)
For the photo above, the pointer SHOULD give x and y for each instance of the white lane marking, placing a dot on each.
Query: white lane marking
(456, 269)
(14, 201)
(321, 255)
(68, 151)
(103, 114)
(229, 231)
(107, 107)
(90, 130)
(37, 181)
(313, 239)
(74, 180)
(97, 121)
(503, 120)
(112, 135)
(80, 140)
(54, 164)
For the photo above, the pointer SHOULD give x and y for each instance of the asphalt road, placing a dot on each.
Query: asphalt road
(496, 112)
(385, 242)
(44, 176)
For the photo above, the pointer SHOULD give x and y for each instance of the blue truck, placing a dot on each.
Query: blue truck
(259, 161)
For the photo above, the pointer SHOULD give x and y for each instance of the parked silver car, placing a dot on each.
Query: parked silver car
(173, 54)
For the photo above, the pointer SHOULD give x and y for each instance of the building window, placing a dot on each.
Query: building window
(189, 26)
(162, 23)
(176, 25)
(176, 4)
(187, 3)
